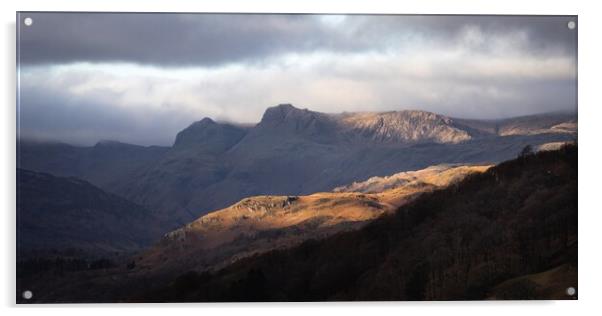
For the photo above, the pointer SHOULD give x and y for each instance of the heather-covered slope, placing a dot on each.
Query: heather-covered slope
(261, 223)
(469, 241)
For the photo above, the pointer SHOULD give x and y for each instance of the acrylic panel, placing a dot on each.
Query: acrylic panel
(197, 157)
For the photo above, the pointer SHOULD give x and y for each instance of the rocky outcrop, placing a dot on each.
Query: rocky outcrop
(552, 146)
(439, 175)
(388, 127)
(404, 127)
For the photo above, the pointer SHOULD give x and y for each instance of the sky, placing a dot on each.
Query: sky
(141, 78)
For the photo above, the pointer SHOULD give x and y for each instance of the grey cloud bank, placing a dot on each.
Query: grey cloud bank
(213, 39)
(142, 77)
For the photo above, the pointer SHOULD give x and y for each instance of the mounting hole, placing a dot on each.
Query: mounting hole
(570, 291)
(28, 21)
(571, 25)
(27, 295)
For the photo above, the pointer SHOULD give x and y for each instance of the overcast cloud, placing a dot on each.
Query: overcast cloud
(141, 78)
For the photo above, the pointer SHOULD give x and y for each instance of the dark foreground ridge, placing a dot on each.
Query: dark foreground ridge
(510, 233)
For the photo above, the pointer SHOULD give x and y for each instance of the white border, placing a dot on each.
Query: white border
(589, 151)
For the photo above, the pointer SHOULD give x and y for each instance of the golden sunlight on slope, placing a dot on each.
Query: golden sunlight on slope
(427, 179)
(261, 223)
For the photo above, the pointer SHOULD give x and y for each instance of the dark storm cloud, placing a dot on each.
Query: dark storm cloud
(215, 39)
(168, 39)
(544, 32)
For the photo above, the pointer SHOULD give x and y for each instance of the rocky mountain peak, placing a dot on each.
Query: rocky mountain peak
(286, 106)
(281, 113)
(285, 119)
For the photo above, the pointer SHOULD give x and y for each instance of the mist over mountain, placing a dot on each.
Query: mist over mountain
(290, 151)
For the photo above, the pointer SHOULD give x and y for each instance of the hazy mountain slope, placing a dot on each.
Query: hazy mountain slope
(108, 164)
(516, 219)
(195, 162)
(57, 215)
(537, 124)
(209, 137)
(293, 166)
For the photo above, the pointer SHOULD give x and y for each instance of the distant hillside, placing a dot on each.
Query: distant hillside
(109, 165)
(509, 233)
(67, 216)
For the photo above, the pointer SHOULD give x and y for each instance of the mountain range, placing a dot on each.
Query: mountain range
(291, 151)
